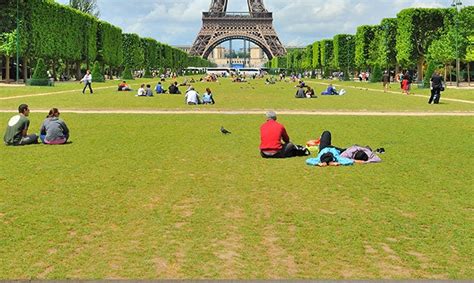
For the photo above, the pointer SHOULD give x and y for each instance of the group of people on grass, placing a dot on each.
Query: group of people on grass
(53, 130)
(275, 143)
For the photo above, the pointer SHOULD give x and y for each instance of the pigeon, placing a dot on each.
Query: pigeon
(224, 131)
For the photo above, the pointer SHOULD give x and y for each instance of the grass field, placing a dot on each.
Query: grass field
(168, 196)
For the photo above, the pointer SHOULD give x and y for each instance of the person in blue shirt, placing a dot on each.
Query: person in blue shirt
(330, 91)
(329, 155)
(159, 88)
(207, 97)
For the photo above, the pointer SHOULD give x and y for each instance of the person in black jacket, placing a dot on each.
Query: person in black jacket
(436, 88)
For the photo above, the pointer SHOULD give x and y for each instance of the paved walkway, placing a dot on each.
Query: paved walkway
(394, 92)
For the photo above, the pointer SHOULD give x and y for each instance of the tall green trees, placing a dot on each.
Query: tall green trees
(364, 38)
(417, 28)
(134, 57)
(387, 40)
(316, 55)
(326, 49)
(344, 49)
(108, 38)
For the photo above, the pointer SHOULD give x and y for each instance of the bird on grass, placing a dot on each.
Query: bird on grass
(224, 131)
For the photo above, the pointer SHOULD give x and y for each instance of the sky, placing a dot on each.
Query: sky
(297, 22)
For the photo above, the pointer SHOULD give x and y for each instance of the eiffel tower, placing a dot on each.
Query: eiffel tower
(219, 26)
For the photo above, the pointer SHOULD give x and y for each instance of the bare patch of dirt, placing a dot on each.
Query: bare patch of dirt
(46, 272)
(282, 264)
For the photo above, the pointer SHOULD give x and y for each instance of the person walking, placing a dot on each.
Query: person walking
(436, 85)
(386, 81)
(87, 79)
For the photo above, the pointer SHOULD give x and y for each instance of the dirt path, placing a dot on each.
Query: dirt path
(254, 112)
(394, 92)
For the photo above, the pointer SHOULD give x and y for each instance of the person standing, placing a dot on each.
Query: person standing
(386, 81)
(436, 88)
(87, 79)
(17, 129)
(406, 83)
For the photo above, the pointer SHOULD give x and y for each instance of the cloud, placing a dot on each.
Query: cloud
(298, 22)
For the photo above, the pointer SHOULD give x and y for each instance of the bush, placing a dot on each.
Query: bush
(429, 73)
(40, 75)
(40, 71)
(147, 74)
(127, 74)
(97, 75)
(376, 75)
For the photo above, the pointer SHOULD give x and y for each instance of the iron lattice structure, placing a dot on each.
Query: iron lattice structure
(219, 26)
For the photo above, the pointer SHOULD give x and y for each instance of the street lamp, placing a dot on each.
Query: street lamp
(17, 42)
(457, 5)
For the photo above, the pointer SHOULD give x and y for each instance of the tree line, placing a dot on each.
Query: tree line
(414, 39)
(69, 39)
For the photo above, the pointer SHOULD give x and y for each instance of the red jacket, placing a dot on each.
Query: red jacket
(271, 135)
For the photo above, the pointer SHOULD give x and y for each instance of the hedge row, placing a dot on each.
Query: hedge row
(417, 35)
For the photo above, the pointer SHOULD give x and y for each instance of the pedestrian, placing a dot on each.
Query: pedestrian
(386, 81)
(87, 79)
(436, 86)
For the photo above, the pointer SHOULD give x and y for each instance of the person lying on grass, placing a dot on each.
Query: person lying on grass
(330, 155)
(54, 130)
(123, 86)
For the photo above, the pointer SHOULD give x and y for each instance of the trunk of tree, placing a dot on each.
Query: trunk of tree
(53, 66)
(469, 73)
(450, 75)
(66, 68)
(419, 67)
(78, 71)
(7, 69)
(397, 69)
(25, 69)
(446, 72)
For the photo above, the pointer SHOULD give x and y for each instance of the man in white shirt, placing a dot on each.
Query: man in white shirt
(87, 79)
(192, 97)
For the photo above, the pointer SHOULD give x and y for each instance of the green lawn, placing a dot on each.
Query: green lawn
(229, 96)
(168, 196)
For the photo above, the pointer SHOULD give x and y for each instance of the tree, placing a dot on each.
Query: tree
(326, 49)
(364, 37)
(316, 55)
(8, 49)
(344, 48)
(417, 28)
(387, 40)
(40, 76)
(86, 6)
(429, 73)
(469, 57)
(97, 75)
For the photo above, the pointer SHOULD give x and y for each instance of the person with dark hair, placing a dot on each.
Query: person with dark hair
(406, 83)
(87, 79)
(386, 80)
(300, 93)
(123, 86)
(329, 155)
(159, 88)
(148, 91)
(436, 85)
(173, 89)
(361, 154)
(54, 130)
(17, 129)
(207, 97)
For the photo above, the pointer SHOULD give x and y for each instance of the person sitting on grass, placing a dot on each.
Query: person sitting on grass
(17, 129)
(141, 91)
(275, 142)
(207, 97)
(148, 91)
(173, 89)
(54, 130)
(310, 92)
(300, 93)
(123, 86)
(159, 89)
(192, 97)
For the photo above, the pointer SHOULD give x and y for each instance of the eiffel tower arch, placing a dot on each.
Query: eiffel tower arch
(255, 26)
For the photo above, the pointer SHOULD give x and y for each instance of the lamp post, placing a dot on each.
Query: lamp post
(17, 42)
(457, 5)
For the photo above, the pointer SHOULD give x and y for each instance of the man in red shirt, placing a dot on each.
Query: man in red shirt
(272, 134)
